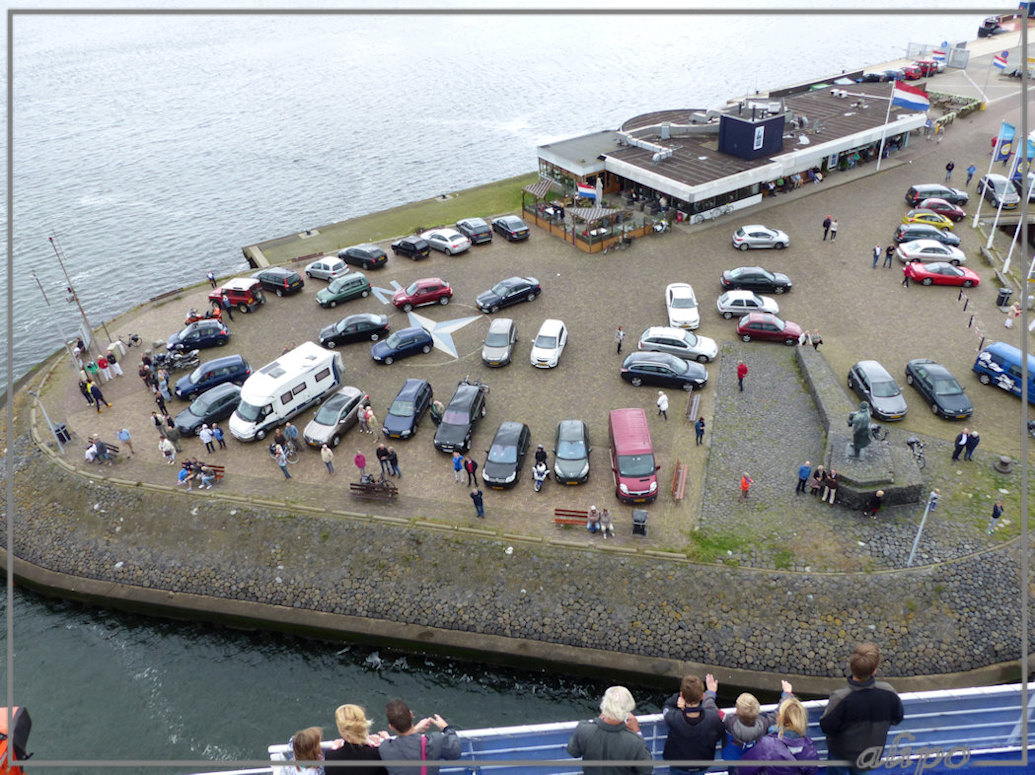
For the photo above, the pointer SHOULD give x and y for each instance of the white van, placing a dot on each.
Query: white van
(278, 391)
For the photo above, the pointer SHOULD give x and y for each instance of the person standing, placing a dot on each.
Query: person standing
(804, 471)
(86, 392)
(98, 396)
(960, 444)
(291, 434)
(172, 432)
(613, 735)
(997, 511)
(412, 744)
(167, 449)
(695, 728)
(382, 458)
(458, 466)
(948, 170)
(857, 717)
(205, 434)
(393, 462)
(471, 466)
(217, 434)
(479, 502)
(619, 338)
(833, 230)
(876, 255)
(816, 339)
(745, 486)
(361, 463)
(663, 405)
(162, 381)
(889, 254)
(371, 421)
(742, 371)
(606, 524)
(113, 363)
(826, 227)
(361, 417)
(228, 308)
(281, 457)
(102, 366)
(160, 401)
(970, 173)
(211, 277)
(125, 439)
(972, 441)
(699, 430)
(905, 276)
(327, 457)
(158, 422)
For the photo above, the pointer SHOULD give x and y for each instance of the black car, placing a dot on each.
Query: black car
(506, 455)
(907, 232)
(475, 229)
(279, 280)
(362, 327)
(464, 409)
(918, 193)
(507, 292)
(211, 406)
(571, 452)
(198, 335)
(366, 256)
(663, 370)
(942, 391)
(511, 227)
(412, 247)
(229, 368)
(410, 404)
(880, 77)
(872, 383)
(755, 278)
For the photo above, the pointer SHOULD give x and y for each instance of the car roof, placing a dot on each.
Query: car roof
(219, 390)
(509, 428)
(738, 293)
(756, 317)
(348, 391)
(917, 244)
(413, 330)
(464, 395)
(674, 287)
(873, 368)
(473, 222)
(677, 333)
(551, 325)
(411, 386)
(226, 360)
(498, 325)
(648, 356)
(571, 428)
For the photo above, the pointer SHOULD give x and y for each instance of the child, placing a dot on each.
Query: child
(305, 747)
(746, 726)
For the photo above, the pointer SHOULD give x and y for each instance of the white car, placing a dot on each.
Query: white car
(549, 344)
(679, 341)
(930, 250)
(327, 268)
(449, 241)
(682, 306)
(739, 303)
(758, 236)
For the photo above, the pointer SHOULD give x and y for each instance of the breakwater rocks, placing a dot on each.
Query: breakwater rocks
(952, 617)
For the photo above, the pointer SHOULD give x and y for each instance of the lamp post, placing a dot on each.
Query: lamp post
(932, 503)
(61, 445)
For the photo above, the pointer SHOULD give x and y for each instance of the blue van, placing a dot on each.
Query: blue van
(999, 364)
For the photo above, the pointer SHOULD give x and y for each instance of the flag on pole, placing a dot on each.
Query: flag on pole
(999, 60)
(907, 96)
(939, 54)
(586, 191)
(1004, 142)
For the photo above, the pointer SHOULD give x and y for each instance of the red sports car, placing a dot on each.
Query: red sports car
(767, 327)
(429, 290)
(948, 209)
(941, 273)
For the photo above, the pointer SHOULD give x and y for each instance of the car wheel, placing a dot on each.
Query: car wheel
(407, 307)
(484, 410)
(448, 251)
(745, 338)
(243, 307)
(781, 289)
(934, 409)
(494, 308)
(789, 342)
(851, 383)
(426, 349)
(702, 358)
(389, 360)
(984, 379)
(780, 245)
(955, 262)
(727, 315)
(260, 435)
(333, 304)
(330, 344)
(444, 301)
(221, 343)
(335, 440)
(365, 294)
(743, 246)
(197, 431)
(374, 337)
(968, 284)
(309, 275)
(688, 387)
(909, 379)
(636, 381)
(927, 281)
(530, 297)
(280, 292)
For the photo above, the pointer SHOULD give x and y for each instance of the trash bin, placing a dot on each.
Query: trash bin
(61, 431)
(640, 522)
(1003, 299)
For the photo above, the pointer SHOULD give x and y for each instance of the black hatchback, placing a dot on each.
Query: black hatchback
(366, 256)
(415, 248)
(464, 409)
(506, 455)
(410, 404)
(211, 406)
(279, 280)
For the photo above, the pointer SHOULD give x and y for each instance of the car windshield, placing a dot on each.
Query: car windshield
(401, 408)
(503, 453)
(546, 342)
(780, 325)
(411, 289)
(336, 285)
(201, 406)
(636, 465)
(501, 289)
(684, 302)
(393, 341)
(947, 387)
(455, 417)
(570, 450)
(328, 414)
(884, 389)
(248, 412)
(195, 376)
(497, 339)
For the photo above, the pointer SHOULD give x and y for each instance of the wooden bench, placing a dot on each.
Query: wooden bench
(570, 517)
(111, 450)
(382, 490)
(219, 471)
(693, 406)
(679, 480)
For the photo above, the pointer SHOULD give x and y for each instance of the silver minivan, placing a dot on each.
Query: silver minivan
(499, 342)
(996, 189)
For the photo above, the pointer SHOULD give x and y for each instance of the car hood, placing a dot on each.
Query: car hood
(486, 298)
(324, 293)
(494, 353)
(782, 279)
(890, 406)
(687, 317)
(381, 349)
(327, 332)
(958, 404)
(172, 342)
(498, 472)
(186, 421)
(450, 436)
(569, 469)
(395, 424)
(317, 432)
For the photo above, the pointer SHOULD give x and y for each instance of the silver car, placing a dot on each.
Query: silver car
(739, 303)
(758, 236)
(327, 268)
(499, 342)
(335, 416)
(679, 341)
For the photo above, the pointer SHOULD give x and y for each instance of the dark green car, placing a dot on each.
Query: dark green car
(351, 286)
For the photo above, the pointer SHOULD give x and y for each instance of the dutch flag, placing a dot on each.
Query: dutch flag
(586, 191)
(999, 60)
(939, 53)
(906, 96)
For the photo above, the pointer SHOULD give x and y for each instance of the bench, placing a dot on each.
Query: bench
(693, 406)
(679, 480)
(570, 517)
(219, 471)
(382, 490)
(111, 449)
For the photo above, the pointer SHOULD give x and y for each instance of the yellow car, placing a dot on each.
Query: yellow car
(929, 217)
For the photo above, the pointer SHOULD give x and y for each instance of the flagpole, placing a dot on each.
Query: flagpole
(1002, 199)
(884, 133)
(998, 145)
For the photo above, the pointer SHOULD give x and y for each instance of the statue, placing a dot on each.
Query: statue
(860, 422)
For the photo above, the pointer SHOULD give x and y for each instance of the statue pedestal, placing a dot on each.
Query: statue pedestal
(881, 467)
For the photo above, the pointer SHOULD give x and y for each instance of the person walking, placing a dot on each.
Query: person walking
(745, 486)
(228, 308)
(960, 444)
(997, 511)
(804, 471)
(113, 363)
(662, 403)
(361, 463)
(327, 457)
(86, 392)
(393, 462)
(876, 255)
(98, 396)
(833, 230)
(889, 254)
(125, 439)
(699, 430)
(619, 338)
(972, 441)
(471, 466)
(382, 458)
(218, 435)
(970, 173)
(948, 170)
(205, 434)
(167, 449)
(905, 276)
(742, 371)
(479, 503)
(458, 465)
(281, 458)
(826, 227)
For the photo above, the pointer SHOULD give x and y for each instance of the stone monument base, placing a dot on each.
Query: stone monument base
(881, 467)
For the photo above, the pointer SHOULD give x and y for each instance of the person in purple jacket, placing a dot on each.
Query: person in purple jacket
(786, 741)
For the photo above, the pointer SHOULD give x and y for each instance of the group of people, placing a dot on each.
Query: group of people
(92, 372)
(820, 480)
(192, 470)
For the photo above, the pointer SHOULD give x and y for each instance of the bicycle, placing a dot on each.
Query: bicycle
(290, 453)
(917, 448)
(879, 432)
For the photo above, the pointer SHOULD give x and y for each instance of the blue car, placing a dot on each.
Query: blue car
(198, 335)
(402, 344)
(409, 406)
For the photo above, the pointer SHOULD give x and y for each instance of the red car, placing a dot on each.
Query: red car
(768, 328)
(944, 207)
(941, 273)
(913, 72)
(928, 67)
(428, 290)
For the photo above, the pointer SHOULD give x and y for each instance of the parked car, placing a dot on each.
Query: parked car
(406, 411)
(245, 293)
(880, 77)
(506, 455)
(954, 213)
(341, 289)
(463, 411)
(681, 304)
(929, 217)
(998, 188)
(362, 327)
(757, 236)
(549, 344)
(872, 383)
(913, 72)
(326, 268)
(507, 292)
(1024, 189)
(930, 250)
(767, 328)
(498, 346)
(212, 406)
(427, 290)
(679, 341)
(449, 241)
(511, 227)
(907, 232)
(894, 74)
(279, 280)
(942, 391)
(916, 194)
(475, 229)
(571, 452)
(941, 273)
(414, 248)
(338, 413)
(739, 303)
(931, 66)
(663, 370)
(402, 344)
(229, 368)
(755, 278)
(366, 256)
(199, 335)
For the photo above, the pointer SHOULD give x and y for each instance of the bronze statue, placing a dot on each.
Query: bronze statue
(860, 422)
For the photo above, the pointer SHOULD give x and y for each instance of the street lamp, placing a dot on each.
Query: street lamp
(61, 445)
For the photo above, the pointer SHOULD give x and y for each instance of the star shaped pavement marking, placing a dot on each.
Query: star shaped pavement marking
(442, 332)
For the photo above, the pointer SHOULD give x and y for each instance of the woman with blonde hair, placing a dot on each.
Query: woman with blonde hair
(786, 741)
(356, 743)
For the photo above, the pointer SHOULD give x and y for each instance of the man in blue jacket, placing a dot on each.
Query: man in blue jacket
(694, 726)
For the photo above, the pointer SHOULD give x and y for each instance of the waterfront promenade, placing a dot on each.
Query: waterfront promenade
(778, 584)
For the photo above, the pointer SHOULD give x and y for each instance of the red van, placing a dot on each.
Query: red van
(632, 457)
(245, 293)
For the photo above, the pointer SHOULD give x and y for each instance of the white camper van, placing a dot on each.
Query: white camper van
(294, 382)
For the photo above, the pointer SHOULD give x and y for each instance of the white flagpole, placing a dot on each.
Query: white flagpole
(1002, 199)
(884, 133)
(995, 151)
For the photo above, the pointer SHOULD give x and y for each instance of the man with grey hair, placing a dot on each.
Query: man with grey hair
(612, 736)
